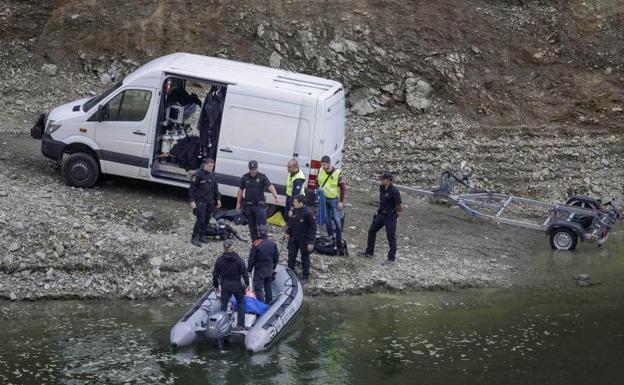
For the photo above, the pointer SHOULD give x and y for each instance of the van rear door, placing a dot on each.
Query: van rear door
(262, 125)
(333, 115)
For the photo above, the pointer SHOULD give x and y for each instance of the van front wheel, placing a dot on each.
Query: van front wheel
(80, 170)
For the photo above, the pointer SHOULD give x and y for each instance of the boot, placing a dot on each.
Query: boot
(202, 239)
(196, 242)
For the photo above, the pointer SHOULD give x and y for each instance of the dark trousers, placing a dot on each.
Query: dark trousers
(203, 212)
(294, 246)
(238, 293)
(289, 204)
(262, 288)
(389, 220)
(256, 215)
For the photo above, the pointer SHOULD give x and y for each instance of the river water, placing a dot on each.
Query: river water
(557, 333)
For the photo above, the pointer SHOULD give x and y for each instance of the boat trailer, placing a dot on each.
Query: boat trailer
(579, 218)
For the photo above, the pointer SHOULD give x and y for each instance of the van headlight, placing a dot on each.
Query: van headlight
(52, 127)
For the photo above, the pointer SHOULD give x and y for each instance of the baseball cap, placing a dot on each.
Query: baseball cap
(386, 175)
(228, 243)
(208, 160)
(253, 165)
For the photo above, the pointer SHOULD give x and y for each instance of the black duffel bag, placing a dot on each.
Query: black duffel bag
(326, 245)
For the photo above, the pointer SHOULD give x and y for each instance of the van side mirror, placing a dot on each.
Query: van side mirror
(101, 113)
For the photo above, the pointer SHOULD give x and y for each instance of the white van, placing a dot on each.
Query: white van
(151, 126)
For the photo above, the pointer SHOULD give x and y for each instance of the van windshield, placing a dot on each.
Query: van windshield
(96, 99)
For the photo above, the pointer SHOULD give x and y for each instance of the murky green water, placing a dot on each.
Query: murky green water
(558, 334)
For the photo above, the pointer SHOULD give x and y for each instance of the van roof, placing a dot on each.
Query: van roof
(229, 72)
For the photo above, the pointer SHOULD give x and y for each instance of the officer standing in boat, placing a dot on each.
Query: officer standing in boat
(227, 276)
(251, 198)
(205, 198)
(263, 258)
(300, 234)
(390, 207)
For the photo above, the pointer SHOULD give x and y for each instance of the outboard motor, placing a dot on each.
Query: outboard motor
(219, 327)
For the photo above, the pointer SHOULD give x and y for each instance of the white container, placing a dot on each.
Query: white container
(249, 319)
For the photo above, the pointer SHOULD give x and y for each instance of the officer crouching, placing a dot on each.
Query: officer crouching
(205, 198)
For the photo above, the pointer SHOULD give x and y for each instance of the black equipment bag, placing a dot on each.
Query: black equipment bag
(231, 215)
(221, 230)
(326, 245)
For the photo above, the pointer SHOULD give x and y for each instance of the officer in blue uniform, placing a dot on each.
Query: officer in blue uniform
(390, 207)
(205, 198)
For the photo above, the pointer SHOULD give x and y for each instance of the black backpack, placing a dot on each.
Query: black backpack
(326, 245)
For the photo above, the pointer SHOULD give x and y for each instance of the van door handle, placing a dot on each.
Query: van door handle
(138, 133)
(225, 150)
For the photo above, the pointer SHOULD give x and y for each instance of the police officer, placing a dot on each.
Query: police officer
(300, 234)
(332, 183)
(263, 259)
(227, 274)
(205, 197)
(390, 208)
(251, 196)
(295, 184)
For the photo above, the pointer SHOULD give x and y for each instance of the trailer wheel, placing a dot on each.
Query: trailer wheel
(80, 170)
(562, 238)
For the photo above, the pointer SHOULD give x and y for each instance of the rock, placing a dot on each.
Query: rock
(105, 78)
(336, 46)
(582, 277)
(60, 249)
(195, 270)
(87, 283)
(49, 69)
(147, 215)
(4, 194)
(364, 107)
(156, 261)
(275, 60)
(351, 46)
(12, 296)
(89, 228)
(368, 140)
(99, 243)
(417, 93)
(260, 30)
(14, 246)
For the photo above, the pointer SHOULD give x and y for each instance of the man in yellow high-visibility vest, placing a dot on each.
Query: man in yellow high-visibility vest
(331, 181)
(295, 184)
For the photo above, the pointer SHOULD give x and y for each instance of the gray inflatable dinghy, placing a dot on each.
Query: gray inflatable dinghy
(205, 320)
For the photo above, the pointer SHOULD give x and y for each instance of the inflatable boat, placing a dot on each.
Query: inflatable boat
(206, 322)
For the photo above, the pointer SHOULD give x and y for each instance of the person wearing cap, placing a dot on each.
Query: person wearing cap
(263, 258)
(300, 234)
(251, 198)
(332, 183)
(228, 275)
(295, 184)
(205, 198)
(390, 208)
